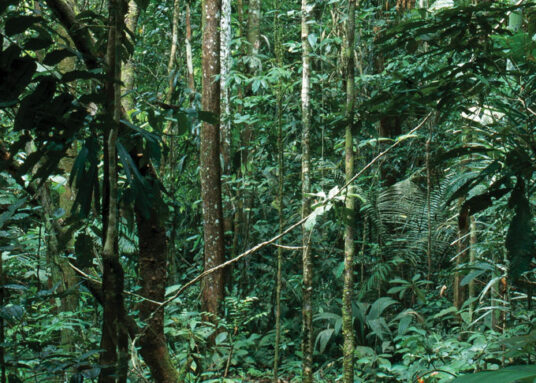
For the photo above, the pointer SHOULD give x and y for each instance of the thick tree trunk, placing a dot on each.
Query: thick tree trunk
(349, 245)
(307, 262)
(212, 289)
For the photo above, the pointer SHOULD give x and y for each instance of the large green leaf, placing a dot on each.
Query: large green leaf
(505, 375)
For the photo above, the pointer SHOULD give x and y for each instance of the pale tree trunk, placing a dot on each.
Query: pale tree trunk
(225, 60)
(173, 54)
(349, 245)
(188, 47)
(281, 164)
(307, 262)
(114, 340)
(128, 70)
(212, 289)
(225, 113)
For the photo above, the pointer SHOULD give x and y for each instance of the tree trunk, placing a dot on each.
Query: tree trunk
(127, 72)
(188, 46)
(349, 245)
(212, 289)
(307, 262)
(152, 265)
(173, 54)
(114, 340)
(225, 59)
(225, 120)
(281, 164)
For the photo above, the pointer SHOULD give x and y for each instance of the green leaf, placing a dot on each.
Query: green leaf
(56, 56)
(323, 338)
(5, 216)
(448, 310)
(19, 24)
(505, 375)
(379, 306)
(220, 338)
(312, 38)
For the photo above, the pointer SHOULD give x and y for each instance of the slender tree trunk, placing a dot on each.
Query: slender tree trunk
(114, 341)
(281, 165)
(212, 289)
(472, 259)
(428, 211)
(307, 310)
(173, 53)
(349, 245)
(128, 70)
(225, 59)
(188, 46)
(225, 117)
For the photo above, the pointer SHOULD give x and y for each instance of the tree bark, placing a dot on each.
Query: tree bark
(173, 52)
(114, 340)
(189, 60)
(152, 265)
(128, 70)
(212, 289)
(225, 116)
(349, 245)
(307, 262)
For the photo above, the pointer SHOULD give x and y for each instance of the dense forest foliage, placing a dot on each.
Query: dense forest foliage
(267, 191)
